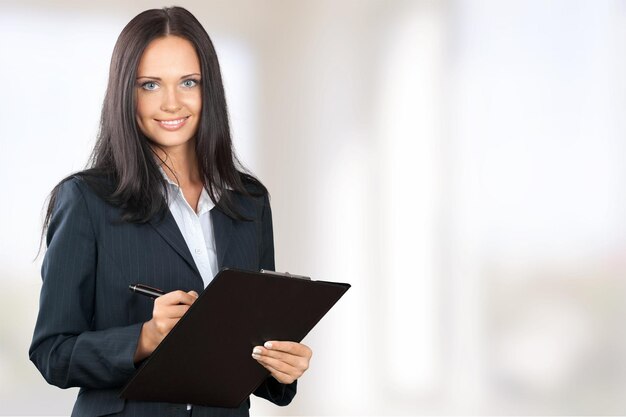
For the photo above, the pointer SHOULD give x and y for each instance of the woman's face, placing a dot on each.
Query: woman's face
(168, 92)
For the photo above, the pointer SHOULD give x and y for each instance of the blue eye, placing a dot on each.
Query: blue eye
(190, 83)
(149, 85)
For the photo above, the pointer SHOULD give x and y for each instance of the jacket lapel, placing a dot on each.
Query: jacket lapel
(168, 229)
(223, 229)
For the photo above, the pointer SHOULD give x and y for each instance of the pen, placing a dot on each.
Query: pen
(145, 290)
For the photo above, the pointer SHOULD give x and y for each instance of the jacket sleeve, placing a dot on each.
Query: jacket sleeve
(65, 348)
(271, 389)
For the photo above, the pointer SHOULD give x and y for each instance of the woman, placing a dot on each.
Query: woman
(162, 204)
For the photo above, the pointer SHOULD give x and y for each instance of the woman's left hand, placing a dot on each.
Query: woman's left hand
(286, 361)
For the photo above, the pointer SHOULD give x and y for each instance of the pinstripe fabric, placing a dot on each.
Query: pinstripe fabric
(89, 322)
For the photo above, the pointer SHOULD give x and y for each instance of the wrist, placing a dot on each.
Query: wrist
(146, 343)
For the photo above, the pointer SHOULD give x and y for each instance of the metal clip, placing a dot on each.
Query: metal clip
(284, 274)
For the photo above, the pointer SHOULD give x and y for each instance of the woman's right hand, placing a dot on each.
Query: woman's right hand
(168, 309)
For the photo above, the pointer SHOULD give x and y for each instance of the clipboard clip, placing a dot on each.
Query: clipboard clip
(284, 274)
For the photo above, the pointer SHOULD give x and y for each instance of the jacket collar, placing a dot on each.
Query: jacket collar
(169, 231)
(222, 229)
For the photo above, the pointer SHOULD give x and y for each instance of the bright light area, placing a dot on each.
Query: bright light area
(460, 163)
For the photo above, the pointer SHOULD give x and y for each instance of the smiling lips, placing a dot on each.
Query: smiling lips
(173, 124)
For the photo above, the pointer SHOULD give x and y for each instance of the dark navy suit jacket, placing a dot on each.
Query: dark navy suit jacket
(89, 322)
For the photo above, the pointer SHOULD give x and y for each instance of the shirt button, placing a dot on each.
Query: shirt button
(198, 251)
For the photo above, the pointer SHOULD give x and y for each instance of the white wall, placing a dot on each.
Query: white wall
(459, 163)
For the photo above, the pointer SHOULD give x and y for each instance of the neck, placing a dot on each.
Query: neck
(181, 164)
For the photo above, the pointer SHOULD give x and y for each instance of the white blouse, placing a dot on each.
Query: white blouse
(196, 228)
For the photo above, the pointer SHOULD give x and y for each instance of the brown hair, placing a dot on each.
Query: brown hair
(122, 169)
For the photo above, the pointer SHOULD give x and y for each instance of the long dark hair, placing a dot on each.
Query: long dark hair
(122, 167)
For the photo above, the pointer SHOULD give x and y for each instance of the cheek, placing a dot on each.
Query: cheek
(146, 111)
(143, 108)
(142, 116)
(193, 102)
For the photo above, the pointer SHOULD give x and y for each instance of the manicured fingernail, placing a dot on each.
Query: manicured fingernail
(255, 356)
(256, 350)
(268, 345)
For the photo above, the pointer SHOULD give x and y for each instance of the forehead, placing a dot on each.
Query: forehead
(168, 56)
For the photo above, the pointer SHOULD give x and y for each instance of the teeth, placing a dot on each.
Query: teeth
(172, 122)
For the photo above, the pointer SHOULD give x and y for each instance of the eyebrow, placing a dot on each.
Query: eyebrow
(158, 79)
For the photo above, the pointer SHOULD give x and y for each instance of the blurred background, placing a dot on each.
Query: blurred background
(460, 163)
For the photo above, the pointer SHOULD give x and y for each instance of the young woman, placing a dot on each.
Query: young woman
(164, 204)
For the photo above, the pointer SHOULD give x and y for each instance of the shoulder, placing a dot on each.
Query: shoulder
(253, 186)
(248, 199)
(68, 214)
(69, 190)
(75, 203)
(80, 192)
(255, 192)
(78, 185)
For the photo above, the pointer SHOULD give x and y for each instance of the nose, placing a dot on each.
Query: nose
(170, 101)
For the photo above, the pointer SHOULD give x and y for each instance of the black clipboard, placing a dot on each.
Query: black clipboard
(206, 358)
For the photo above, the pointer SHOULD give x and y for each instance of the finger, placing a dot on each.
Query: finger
(193, 293)
(165, 326)
(293, 360)
(293, 348)
(171, 311)
(177, 297)
(278, 365)
(177, 311)
(281, 377)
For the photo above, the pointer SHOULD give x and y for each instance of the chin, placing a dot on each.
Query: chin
(170, 140)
